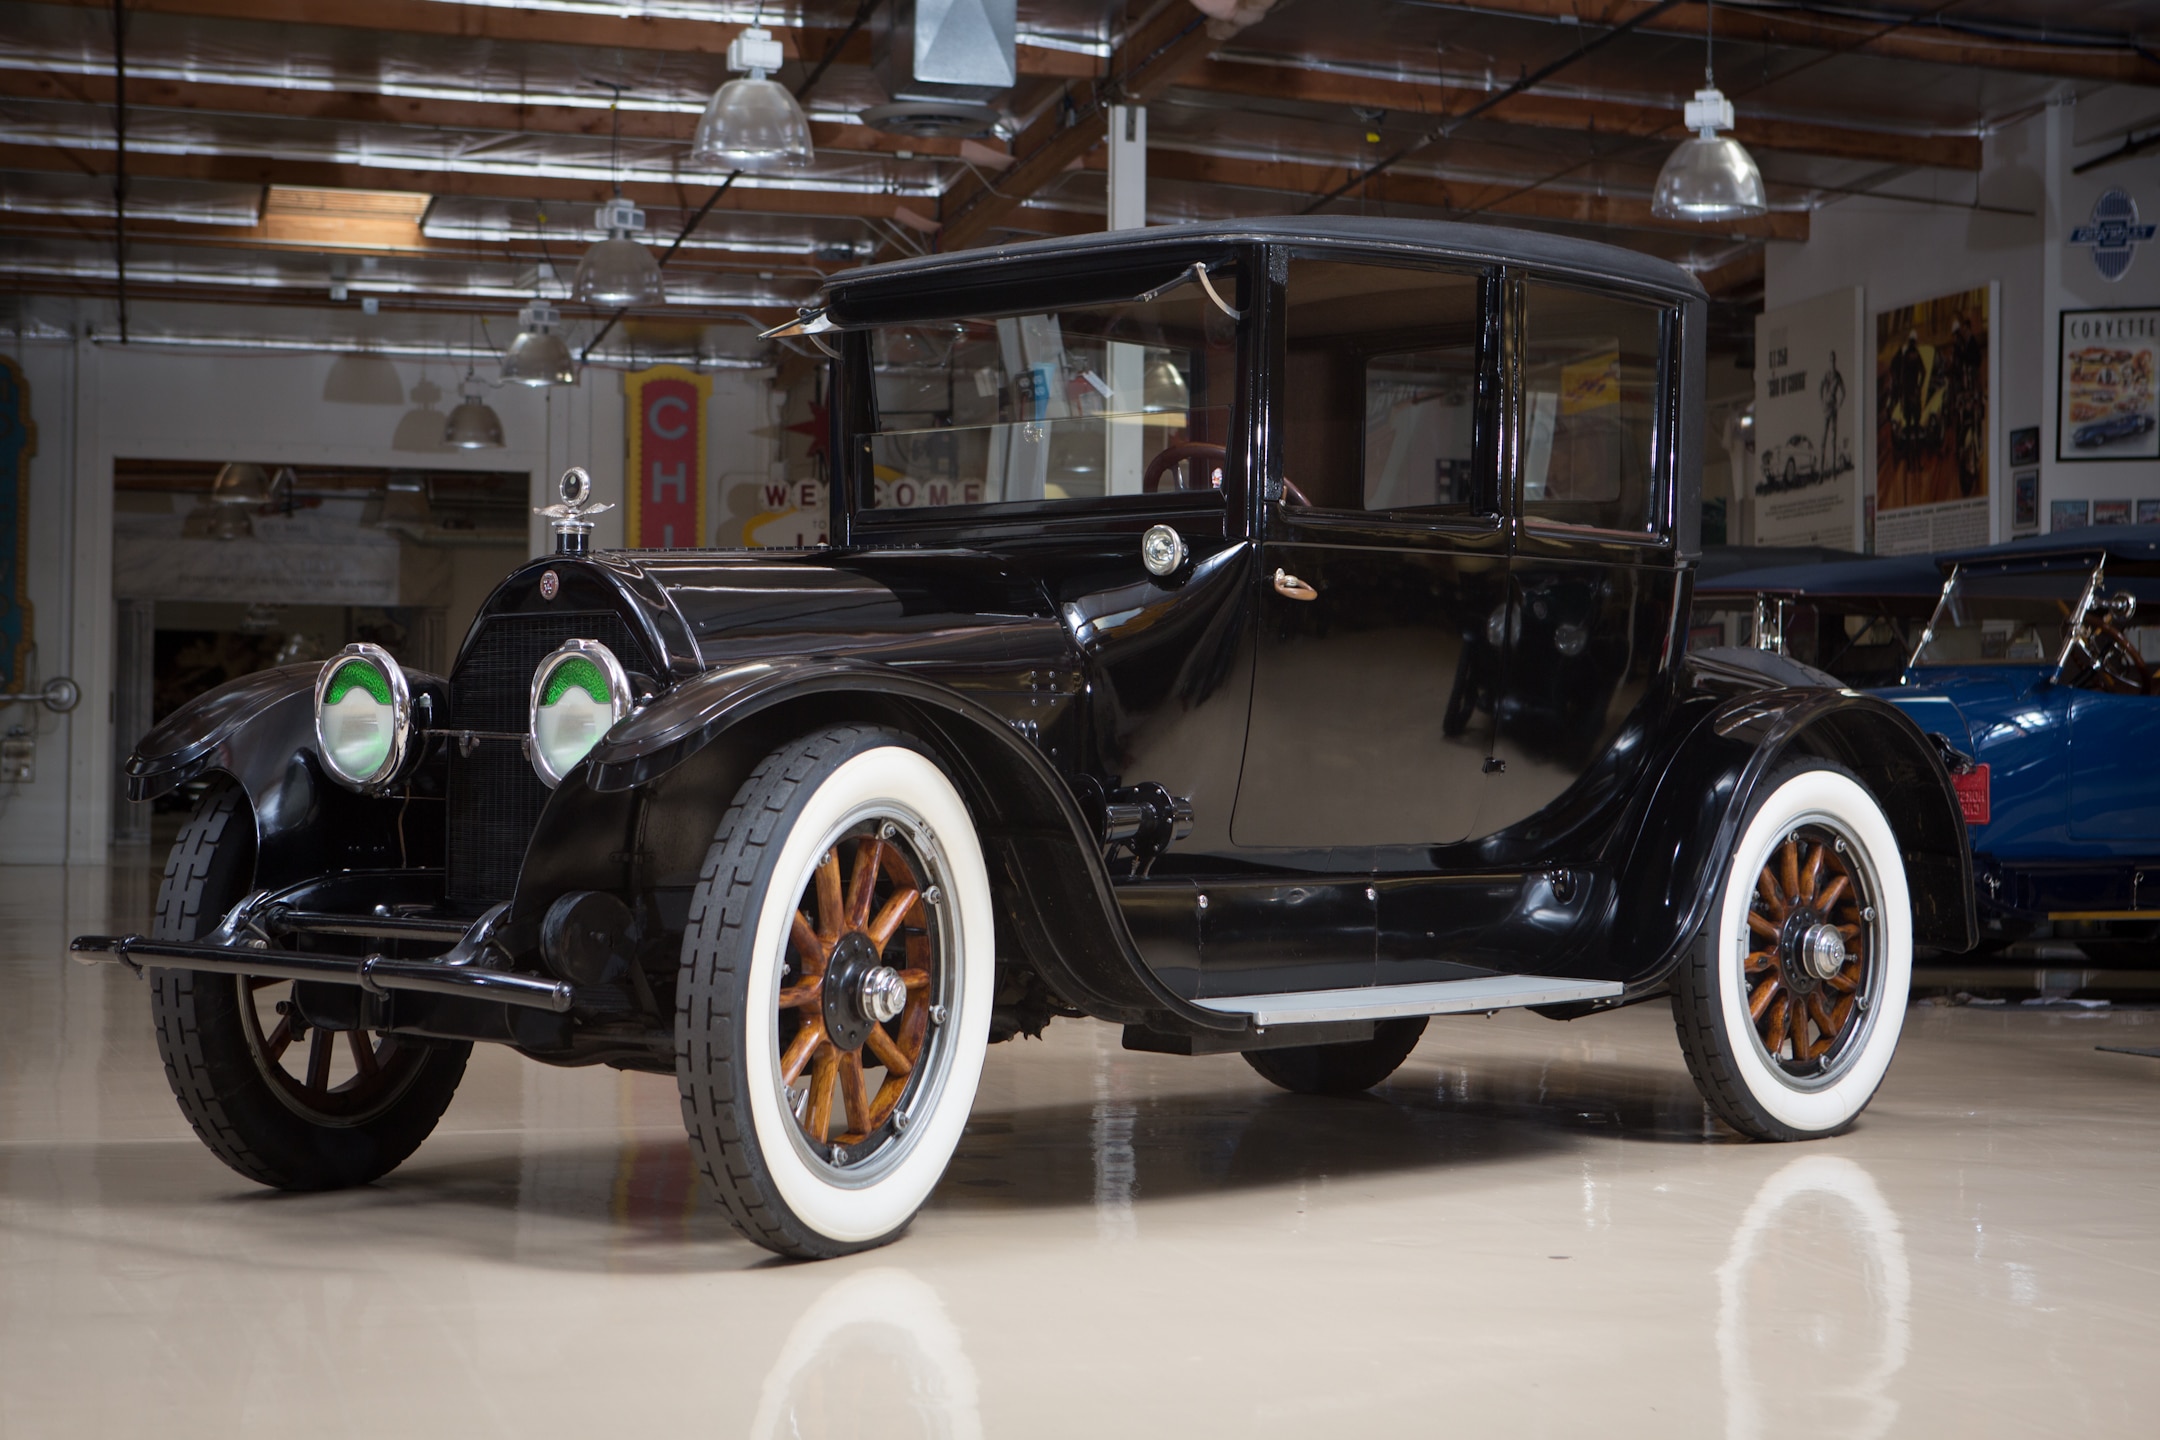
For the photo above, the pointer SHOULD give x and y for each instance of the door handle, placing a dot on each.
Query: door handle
(1296, 589)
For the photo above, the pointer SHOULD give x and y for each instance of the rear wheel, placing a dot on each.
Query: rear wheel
(834, 1001)
(283, 1103)
(1790, 1011)
(1344, 1069)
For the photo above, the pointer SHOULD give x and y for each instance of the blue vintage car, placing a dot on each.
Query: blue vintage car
(2037, 673)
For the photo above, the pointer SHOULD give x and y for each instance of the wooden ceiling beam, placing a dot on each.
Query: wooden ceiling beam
(1562, 112)
(1919, 40)
(670, 34)
(352, 175)
(1151, 60)
(1306, 178)
(207, 98)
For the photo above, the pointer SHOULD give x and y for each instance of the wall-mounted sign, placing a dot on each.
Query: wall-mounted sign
(18, 442)
(2106, 404)
(1806, 485)
(2113, 233)
(665, 481)
(1934, 405)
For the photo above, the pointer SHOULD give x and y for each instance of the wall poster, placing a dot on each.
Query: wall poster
(2106, 406)
(18, 442)
(1806, 485)
(1934, 388)
(665, 480)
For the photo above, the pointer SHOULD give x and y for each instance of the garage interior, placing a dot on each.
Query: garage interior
(285, 288)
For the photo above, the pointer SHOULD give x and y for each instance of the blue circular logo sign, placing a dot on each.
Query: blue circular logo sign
(2113, 233)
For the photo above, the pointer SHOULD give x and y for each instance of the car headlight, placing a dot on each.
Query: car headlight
(363, 714)
(578, 694)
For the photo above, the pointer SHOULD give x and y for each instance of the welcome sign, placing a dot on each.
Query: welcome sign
(665, 483)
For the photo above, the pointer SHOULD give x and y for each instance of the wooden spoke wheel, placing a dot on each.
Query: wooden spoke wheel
(1789, 1008)
(1812, 922)
(330, 1077)
(857, 999)
(833, 1006)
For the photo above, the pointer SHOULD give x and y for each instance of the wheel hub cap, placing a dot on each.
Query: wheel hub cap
(1822, 951)
(883, 993)
(850, 976)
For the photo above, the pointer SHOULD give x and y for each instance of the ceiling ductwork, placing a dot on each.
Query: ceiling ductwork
(943, 62)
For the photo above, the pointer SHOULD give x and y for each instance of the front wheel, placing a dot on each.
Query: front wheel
(834, 1001)
(1789, 1011)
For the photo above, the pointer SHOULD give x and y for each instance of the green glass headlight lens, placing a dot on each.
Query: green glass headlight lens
(577, 699)
(357, 719)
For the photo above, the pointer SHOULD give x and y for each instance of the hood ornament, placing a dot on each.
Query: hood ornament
(570, 519)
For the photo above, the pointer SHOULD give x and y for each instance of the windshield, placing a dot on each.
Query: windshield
(1083, 402)
(1997, 619)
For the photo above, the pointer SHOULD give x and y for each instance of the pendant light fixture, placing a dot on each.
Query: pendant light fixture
(538, 356)
(1709, 177)
(753, 123)
(618, 270)
(473, 425)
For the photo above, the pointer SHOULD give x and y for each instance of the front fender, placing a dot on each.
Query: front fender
(1053, 888)
(260, 729)
(1703, 797)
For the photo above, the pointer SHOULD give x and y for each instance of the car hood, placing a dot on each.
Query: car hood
(1964, 704)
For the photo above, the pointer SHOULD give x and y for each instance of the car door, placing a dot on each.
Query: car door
(1379, 565)
(1592, 580)
(2114, 782)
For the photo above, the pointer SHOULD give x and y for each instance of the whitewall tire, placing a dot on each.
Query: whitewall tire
(834, 1000)
(1789, 1009)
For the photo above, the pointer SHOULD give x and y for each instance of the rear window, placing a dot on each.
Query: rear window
(1592, 391)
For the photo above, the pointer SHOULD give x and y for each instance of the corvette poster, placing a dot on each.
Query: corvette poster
(2107, 407)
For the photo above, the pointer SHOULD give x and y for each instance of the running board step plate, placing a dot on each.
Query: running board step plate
(1385, 1002)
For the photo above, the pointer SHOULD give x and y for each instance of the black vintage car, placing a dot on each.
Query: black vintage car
(1262, 636)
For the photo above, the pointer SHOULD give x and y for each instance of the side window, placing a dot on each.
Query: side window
(1079, 402)
(1591, 396)
(1380, 391)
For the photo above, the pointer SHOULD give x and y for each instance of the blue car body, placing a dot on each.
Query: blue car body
(2063, 798)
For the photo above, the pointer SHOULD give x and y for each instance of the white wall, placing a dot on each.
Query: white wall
(94, 403)
(1900, 251)
(2075, 133)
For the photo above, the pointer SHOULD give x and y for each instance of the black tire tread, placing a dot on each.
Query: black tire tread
(715, 946)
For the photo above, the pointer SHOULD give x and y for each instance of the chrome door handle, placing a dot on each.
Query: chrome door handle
(1296, 589)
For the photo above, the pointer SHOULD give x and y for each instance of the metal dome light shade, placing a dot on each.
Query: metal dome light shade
(1709, 176)
(618, 270)
(538, 355)
(753, 123)
(473, 425)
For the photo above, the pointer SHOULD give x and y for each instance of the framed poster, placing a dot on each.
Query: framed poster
(2025, 445)
(665, 484)
(2069, 515)
(2106, 406)
(2111, 512)
(2148, 512)
(1935, 370)
(2025, 498)
(1806, 485)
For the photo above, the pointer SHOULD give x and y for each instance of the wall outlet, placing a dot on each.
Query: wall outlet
(18, 757)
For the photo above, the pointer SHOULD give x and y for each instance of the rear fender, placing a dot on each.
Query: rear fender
(260, 730)
(1695, 817)
(664, 778)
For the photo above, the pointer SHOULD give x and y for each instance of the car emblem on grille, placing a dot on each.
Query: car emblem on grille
(549, 584)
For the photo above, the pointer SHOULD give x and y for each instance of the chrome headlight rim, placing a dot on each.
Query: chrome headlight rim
(618, 683)
(393, 674)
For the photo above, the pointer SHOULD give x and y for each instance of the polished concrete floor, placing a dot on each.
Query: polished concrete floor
(1534, 1230)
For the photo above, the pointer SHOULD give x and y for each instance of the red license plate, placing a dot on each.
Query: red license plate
(1972, 793)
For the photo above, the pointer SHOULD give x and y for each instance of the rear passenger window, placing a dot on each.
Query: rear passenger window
(1380, 392)
(1591, 393)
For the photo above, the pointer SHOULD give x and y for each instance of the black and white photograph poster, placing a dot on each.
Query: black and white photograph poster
(1810, 368)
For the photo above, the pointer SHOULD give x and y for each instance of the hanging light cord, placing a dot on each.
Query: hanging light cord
(1448, 127)
(863, 12)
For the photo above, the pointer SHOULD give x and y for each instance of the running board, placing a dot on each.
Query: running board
(1385, 1002)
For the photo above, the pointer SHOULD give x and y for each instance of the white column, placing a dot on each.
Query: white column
(1128, 167)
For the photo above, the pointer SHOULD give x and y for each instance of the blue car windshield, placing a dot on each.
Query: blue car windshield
(1997, 619)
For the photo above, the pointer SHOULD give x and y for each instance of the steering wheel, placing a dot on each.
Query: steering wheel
(1173, 456)
(2117, 665)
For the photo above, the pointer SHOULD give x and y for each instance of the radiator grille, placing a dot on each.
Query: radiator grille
(495, 798)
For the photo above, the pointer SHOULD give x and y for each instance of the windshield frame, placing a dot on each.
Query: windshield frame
(2093, 579)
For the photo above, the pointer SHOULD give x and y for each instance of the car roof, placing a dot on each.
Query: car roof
(2124, 545)
(1908, 575)
(1492, 244)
